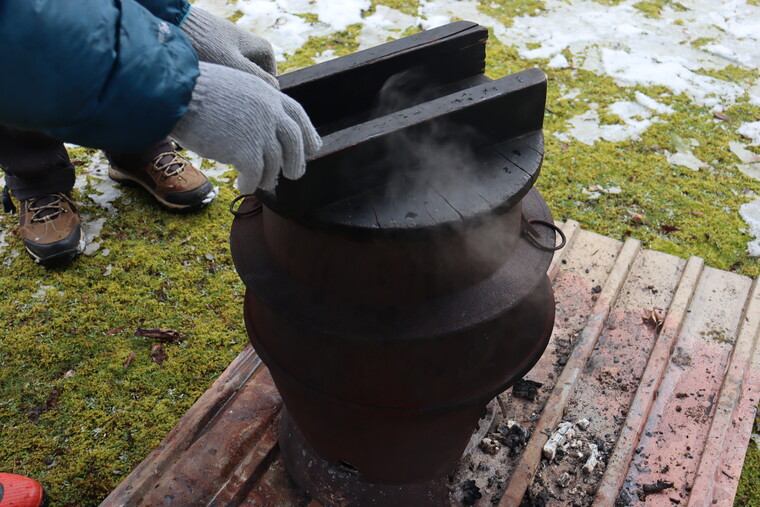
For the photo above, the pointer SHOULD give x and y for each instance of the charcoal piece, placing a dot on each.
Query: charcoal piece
(471, 492)
(657, 487)
(526, 389)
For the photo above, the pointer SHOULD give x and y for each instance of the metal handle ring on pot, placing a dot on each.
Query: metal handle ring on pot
(530, 236)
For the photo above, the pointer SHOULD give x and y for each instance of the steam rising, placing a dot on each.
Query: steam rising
(444, 176)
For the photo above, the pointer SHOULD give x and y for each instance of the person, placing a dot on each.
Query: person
(124, 77)
(40, 175)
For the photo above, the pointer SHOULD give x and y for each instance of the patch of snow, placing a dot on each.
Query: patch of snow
(42, 292)
(750, 212)
(575, 92)
(686, 159)
(754, 93)
(751, 131)
(620, 41)
(746, 156)
(325, 56)
(106, 190)
(591, 195)
(3, 241)
(653, 105)
(383, 25)
(587, 129)
(435, 13)
(596, 191)
(279, 21)
(558, 62)
(91, 230)
(750, 162)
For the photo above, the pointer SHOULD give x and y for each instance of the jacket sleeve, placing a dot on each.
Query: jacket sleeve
(173, 11)
(106, 74)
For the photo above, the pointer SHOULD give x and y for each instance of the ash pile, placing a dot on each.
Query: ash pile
(573, 462)
(572, 465)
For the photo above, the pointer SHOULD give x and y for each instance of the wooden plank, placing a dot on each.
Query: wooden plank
(675, 433)
(720, 464)
(343, 87)
(250, 468)
(571, 228)
(197, 420)
(585, 264)
(638, 412)
(235, 448)
(555, 405)
(359, 158)
(608, 380)
(276, 489)
(450, 194)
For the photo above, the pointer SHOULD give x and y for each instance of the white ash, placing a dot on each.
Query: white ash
(564, 432)
(593, 459)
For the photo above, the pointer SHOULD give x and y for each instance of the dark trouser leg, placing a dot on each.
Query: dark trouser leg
(133, 161)
(34, 164)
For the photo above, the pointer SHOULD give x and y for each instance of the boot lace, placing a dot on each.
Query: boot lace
(50, 208)
(169, 164)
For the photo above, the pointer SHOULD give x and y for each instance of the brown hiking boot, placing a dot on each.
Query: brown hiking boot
(171, 179)
(50, 228)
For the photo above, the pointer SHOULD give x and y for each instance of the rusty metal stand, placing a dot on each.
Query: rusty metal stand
(343, 485)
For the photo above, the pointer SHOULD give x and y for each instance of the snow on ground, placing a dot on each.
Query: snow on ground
(106, 191)
(750, 212)
(621, 42)
(637, 117)
(282, 22)
(674, 50)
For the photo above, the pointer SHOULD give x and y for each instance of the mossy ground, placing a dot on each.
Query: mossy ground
(78, 415)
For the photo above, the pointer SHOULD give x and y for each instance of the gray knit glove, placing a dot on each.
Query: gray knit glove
(238, 119)
(217, 40)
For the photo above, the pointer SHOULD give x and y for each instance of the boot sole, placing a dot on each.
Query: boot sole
(60, 257)
(127, 179)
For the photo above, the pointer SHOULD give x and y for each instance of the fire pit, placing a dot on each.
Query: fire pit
(400, 285)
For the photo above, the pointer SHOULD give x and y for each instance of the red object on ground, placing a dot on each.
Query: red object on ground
(20, 491)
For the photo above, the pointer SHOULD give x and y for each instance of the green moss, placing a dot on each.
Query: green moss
(702, 41)
(235, 16)
(609, 2)
(410, 8)
(609, 118)
(748, 493)
(653, 8)
(685, 212)
(730, 73)
(72, 415)
(505, 11)
(342, 43)
(309, 17)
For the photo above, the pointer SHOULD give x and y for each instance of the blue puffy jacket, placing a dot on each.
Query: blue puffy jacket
(111, 74)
